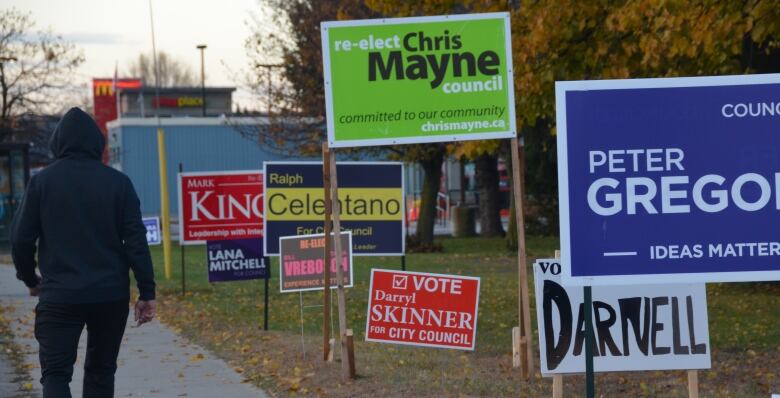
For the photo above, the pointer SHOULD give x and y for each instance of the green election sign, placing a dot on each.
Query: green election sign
(416, 80)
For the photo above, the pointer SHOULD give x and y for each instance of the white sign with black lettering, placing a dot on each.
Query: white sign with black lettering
(637, 327)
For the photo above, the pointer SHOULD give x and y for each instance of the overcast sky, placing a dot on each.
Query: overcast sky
(114, 31)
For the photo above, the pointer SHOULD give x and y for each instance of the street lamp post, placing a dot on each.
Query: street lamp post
(202, 47)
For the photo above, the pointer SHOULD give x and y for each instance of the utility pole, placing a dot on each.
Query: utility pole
(165, 214)
(202, 47)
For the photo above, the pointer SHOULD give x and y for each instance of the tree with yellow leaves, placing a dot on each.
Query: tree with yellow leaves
(556, 40)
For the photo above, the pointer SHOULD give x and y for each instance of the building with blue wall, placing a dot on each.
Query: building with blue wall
(198, 143)
(219, 144)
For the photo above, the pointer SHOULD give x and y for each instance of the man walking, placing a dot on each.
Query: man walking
(86, 220)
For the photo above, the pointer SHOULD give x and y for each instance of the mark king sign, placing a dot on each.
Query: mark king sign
(220, 206)
(415, 308)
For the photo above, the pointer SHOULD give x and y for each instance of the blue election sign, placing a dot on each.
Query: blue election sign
(371, 196)
(153, 232)
(669, 180)
(236, 260)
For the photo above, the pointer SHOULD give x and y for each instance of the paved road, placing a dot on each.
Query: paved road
(153, 362)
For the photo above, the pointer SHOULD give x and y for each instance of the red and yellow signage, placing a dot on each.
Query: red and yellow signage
(104, 102)
(178, 102)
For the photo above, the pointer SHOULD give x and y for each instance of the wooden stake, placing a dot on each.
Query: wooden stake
(524, 349)
(351, 353)
(516, 352)
(693, 384)
(523, 304)
(557, 378)
(346, 364)
(327, 355)
(332, 345)
(557, 386)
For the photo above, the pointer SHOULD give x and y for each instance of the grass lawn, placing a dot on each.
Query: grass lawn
(227, 319)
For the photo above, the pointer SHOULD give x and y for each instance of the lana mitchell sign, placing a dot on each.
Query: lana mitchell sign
(641, 327)
(669, 180)
(236, 259)
(423, 79)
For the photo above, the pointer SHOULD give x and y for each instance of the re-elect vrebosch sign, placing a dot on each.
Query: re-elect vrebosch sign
(669, 180)
(371, 197)
(412, 80)
(302, 268)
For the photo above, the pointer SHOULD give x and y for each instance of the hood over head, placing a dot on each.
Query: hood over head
(77, 135)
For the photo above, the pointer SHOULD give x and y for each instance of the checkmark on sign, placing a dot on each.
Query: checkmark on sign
(400, 281)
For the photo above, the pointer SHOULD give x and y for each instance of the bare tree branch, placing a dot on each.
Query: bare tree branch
(35, 66)
(173, 72)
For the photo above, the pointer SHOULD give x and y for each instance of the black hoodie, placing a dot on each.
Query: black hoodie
(86, 219)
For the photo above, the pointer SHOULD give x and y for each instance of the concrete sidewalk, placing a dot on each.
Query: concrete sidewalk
(10, 383)
(153, 361)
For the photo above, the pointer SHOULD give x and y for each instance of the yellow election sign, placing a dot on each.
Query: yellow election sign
(370, 196)
(308, 204)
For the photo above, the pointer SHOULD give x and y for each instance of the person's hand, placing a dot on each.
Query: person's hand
(145, 311)
(34, 291)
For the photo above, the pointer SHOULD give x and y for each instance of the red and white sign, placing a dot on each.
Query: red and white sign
(417, 308)
(220, 206)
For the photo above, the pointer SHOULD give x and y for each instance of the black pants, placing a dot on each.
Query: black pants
(58, 328)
